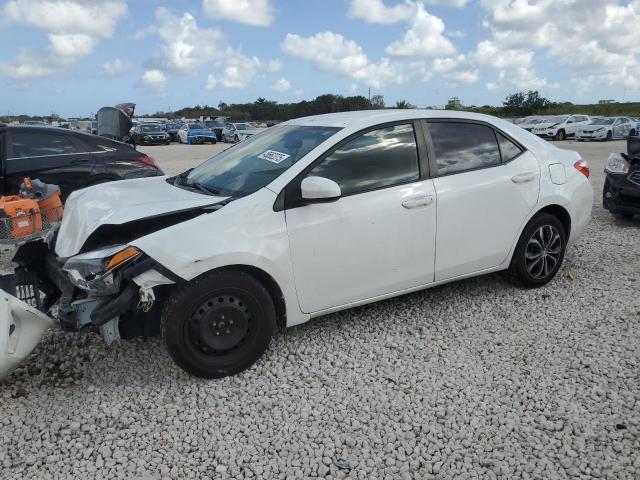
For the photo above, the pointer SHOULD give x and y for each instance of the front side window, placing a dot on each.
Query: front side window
(257, 161)
(463, 146)
(377, 159)
(35, 144)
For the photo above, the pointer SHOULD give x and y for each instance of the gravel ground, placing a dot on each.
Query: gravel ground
(475, 379)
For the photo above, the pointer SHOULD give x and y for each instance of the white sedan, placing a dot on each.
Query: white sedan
(559, 128)
(313, 216)
(237, 132)
(607, 128)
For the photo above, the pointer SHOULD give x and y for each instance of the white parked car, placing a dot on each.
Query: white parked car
(607, 128)
(528, 123)
(237, 132)
(313, 216)
(561, 127)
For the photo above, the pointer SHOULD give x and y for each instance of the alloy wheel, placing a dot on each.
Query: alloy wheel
(543, 252)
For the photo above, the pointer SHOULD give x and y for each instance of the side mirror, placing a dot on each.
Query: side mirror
(319, 189)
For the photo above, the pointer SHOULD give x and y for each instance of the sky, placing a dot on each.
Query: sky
(72, 57)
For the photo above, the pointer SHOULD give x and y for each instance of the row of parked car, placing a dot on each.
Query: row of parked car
(580, 127)
(209, 131)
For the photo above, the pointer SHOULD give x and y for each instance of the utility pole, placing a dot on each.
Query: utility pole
(369, 95)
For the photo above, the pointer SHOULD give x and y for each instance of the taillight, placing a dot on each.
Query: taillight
(582, 167)
(147, 160)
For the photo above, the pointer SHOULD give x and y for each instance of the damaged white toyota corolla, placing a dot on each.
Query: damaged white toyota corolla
(312, 216)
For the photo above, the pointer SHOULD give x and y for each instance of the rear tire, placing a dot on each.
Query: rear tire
(218, 324)
(539, 252)
(632, 133)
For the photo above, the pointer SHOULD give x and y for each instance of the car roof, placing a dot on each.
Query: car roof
(364, 118)
(88, 137)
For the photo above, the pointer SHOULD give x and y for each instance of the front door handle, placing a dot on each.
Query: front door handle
(524, 177)
(418, 201)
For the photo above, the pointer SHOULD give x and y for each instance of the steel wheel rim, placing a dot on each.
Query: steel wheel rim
(543, 252)
(220, 324)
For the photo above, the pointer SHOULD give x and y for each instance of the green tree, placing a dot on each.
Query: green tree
(377, 101)
(403, 104)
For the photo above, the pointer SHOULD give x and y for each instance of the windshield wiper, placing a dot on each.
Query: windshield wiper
(203, 188)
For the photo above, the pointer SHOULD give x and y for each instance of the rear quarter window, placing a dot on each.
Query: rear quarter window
(39, 144)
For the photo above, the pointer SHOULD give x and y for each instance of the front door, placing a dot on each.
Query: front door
(486, 187)
(379, 237)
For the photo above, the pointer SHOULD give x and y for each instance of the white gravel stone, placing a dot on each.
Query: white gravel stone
(476, 379)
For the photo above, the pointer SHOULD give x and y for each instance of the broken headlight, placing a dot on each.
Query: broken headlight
(616, 164)
(95, 271)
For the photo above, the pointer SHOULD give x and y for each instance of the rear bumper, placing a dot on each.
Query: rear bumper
(620, 195)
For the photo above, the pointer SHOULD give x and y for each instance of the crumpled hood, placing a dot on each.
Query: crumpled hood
(121, 202)
(200, 131)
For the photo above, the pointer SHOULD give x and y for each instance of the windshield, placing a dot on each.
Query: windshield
(256, 162)
(243, 126)
(602, 121)
(196, 126)
(151, 128)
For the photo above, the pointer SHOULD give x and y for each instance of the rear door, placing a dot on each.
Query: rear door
(50, 156)
(486, 186)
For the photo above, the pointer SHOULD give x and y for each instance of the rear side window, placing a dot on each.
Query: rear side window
(509, 149)
(36, 144)
(377, 159)
(463, 146)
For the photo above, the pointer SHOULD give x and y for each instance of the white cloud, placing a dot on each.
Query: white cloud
(238, 73)
(375, 11)
(331, 52)
(115, 68)
(596, 36)
(154, 79)
(73, 28)
(274, 65)
(424, 37)
(185, 46)
(26, 67)
(281, 85)
(252, 12)
(70, 47)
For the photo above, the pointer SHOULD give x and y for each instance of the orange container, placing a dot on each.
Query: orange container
(21, 216)
(51, 208)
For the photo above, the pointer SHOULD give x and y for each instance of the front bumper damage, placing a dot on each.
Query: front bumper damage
(621, 192)
(132, 311)
(21, 329)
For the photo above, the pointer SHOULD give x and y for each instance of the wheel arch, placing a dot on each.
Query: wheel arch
(269, 283)
(560, 213)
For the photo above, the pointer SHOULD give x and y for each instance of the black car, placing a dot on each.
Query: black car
(172, 129)
(621, 195)
(150, 134)
(70, 159)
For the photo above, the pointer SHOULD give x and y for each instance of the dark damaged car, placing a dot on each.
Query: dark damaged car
(621, 194)
(72, 160)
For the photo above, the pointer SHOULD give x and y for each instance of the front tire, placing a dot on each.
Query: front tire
(218, 324)
(609, 136)
(539, 252)
(561, 135)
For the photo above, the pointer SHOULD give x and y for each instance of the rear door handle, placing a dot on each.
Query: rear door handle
(418, 201)
(524, 177)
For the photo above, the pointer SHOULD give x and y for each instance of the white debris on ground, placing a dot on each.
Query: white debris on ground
(476, 379)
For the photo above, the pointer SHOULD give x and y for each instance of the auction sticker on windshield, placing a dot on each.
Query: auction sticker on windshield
(273, 156)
